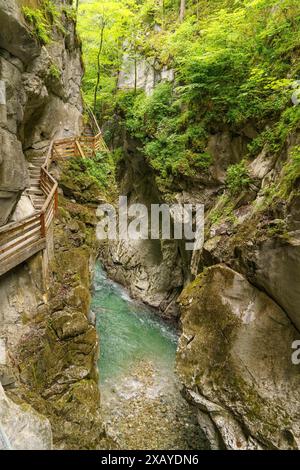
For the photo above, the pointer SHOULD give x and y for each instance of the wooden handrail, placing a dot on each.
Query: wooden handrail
(80, 151)
(21, 240)
(93, 121)
(16, 225)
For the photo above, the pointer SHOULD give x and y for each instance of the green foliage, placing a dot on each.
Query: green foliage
(222, 210)
(38, 23)
(116, 17)
(234, 64)
(101, 168)
(291, 171)
(70, 12)
(237, 177)
(54, 72)
(171, 148)
(275, 137)
(43, 19)
(88, 179)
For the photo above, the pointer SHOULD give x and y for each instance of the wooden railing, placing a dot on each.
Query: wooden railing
(83, 146)
(91, 145)
(95, 143)
(21, 240)
(92, 119)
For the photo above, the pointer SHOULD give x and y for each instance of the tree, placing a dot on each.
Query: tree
(102, 28)
(182, 10)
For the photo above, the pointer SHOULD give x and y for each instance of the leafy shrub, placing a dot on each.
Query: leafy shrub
(70, 12)
(101, 168)
(54, 72)
(291, 171)
(42, 19)
(38, 23)
(275, 137)
(234, 64)
(202, 160)
(237, 177)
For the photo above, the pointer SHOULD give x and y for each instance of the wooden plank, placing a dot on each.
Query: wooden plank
(51, 196)
(65, 140)
(81, 153)
(23, 256)
(23, 239)
(50, 219)
(7, 237)
(46, 187)
(16, 225)
(43, 224)
(20, 246)
(7, 247)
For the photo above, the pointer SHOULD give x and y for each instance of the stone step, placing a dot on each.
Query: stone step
(37, 164)
(37, 191)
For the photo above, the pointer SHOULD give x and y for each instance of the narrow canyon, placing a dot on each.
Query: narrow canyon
(124, 343)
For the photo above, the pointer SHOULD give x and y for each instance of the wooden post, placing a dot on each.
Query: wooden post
(43, 224)
(45, 269)
(56, 201)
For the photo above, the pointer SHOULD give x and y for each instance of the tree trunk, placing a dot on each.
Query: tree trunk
(98, 67)
(135, 72)
(182, 10)
(163, 14)
(198, 8)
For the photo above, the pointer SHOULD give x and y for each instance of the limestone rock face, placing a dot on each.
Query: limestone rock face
(56, 353)
(151, 269)
(234, 359)
(225, 150)
(15, 38)
(13, 173)
(24, 209)
(277, 268)
(36, 103)
(144, 75)
(22, 428)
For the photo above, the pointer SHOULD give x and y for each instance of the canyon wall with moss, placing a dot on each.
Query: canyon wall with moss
(40, 78)
(49, 345)
(222, 131)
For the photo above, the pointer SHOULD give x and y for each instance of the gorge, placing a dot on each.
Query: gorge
(142, 344)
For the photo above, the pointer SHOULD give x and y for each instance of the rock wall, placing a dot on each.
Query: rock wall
(234, 359)
(240, 316)
(39, 96)
(153, 270)
(40, 99)
(57, 357)
(143, 74)
(22, 428)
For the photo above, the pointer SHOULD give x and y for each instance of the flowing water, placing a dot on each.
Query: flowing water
(140, 393)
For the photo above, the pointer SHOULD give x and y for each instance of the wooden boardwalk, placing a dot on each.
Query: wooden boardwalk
(21, 240)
